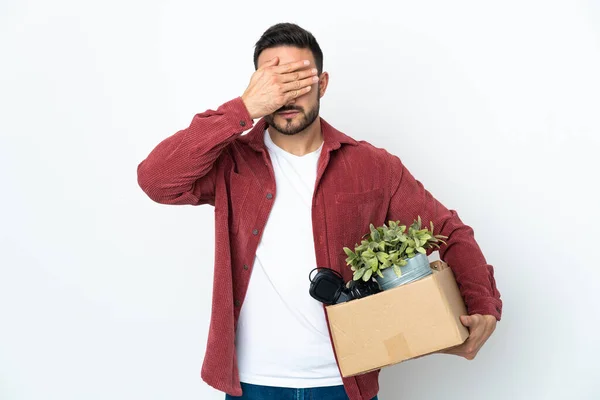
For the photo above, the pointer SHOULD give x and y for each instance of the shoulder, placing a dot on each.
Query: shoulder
(351, 146)
(364, 148)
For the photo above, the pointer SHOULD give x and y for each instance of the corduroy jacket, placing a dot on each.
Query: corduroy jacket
(213, 162)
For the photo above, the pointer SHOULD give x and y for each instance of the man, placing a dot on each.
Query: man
(288, 196)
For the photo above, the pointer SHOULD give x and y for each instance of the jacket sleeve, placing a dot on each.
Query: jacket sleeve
(182, 168)
(475, 277)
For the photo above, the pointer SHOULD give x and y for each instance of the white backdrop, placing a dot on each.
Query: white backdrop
(494, 106)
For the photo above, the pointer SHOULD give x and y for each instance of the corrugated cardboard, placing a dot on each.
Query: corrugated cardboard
(398, 324)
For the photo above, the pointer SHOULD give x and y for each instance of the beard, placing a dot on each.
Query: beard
(296, 124)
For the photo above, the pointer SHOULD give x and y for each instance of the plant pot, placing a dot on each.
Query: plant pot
(417, 268)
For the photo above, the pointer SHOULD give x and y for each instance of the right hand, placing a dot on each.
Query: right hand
(272, 86)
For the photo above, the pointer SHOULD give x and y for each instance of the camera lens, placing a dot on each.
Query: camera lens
(359, 289)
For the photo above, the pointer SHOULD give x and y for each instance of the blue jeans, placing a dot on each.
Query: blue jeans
(259, 392)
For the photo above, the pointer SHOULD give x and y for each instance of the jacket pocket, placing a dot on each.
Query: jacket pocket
(355, 211)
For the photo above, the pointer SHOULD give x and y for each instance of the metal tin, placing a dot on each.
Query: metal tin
(417, 268)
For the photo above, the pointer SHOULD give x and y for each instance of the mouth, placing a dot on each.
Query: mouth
(288, 114)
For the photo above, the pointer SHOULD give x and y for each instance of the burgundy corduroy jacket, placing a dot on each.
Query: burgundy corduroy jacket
(211, 162)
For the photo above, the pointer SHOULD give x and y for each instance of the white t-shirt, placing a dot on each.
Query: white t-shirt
(282, 337)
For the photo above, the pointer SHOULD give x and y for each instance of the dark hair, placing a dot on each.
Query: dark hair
(288, 34)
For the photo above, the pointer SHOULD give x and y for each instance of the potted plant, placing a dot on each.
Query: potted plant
(393, 246)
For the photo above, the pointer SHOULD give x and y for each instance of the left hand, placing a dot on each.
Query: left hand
(480, 329)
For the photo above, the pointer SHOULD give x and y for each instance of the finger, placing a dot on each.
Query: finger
(298, 75)
(291, 67)
(296, 85)
(476, 328)
(471, 320)
(479, 332)
(475, 341)
(462, 348)
(452, 350)
(485, 332)
(466, 350)
(465, 320)
(455, 352)
(271, 63)
(292, 94)
(471, 346)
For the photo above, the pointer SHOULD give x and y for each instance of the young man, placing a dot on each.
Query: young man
(288, 196)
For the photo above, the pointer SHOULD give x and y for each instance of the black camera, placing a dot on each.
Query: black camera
(328, 287)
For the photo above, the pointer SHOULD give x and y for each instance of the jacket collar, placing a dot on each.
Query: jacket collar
(332, 138)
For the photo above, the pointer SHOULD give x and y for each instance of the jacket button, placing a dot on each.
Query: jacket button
(255, 231)
(238, 303)
(242, 123)
(245, 267)
(269, 196)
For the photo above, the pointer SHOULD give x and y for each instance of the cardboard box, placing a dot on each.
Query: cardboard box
(398, 324)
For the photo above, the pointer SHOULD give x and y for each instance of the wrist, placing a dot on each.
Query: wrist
(248, 108)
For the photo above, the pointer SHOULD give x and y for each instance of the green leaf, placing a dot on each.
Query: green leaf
(348, 251)
(373, 262)
(379, 273)
(381, 256)
(397, 270)
(367, 275)
(421, 250)
(375, 236)
(358, 274)
(403, 248)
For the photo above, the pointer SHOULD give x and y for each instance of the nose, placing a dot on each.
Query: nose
(292, 101)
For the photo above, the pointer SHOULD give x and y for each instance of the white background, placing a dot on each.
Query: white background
(494, 106)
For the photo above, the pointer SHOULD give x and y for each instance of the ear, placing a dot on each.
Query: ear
(323, 82)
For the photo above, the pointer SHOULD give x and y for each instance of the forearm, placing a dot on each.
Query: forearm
(178, 162)
(474, 275)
